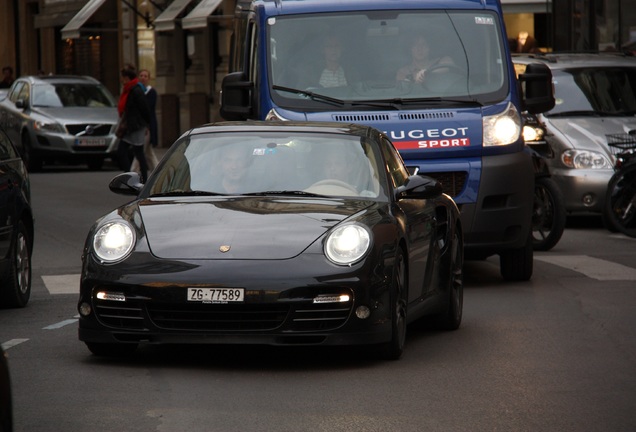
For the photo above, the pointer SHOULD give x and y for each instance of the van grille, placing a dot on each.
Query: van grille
(427, 115)
(360, 118)
(452, 182)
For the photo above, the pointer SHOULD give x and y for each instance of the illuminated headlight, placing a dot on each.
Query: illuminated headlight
(347, 244)
(531, 133)
(585, 159)
(51, 127)
(113, 241)
(273, 115)
(502, 129)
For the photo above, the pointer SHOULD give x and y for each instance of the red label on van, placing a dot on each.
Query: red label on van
(432, 143)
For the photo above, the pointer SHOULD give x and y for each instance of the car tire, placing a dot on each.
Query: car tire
(548, 216)
(16, 290)
(515, 265)
(619, 212)
(452, 317)
(393, 349)
(111, 349)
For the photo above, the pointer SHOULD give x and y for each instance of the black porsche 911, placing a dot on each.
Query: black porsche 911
(273, 233)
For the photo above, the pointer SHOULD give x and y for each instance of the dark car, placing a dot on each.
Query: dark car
(273, 233)
(60, 118)
(16, 227)
(6, 411)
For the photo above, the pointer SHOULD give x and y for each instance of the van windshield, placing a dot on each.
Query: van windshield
(386, 59)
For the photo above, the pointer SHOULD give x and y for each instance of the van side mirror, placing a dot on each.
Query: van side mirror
(236, 93)
(538, 93)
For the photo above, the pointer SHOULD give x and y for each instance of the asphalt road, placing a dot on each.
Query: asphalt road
(557, 353)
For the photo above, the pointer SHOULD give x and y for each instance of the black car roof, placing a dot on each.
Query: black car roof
(569, 60)
(254, 126)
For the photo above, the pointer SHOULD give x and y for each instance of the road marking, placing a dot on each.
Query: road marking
(62, 284)
(13, 342)
(60, 324)
(594, 268)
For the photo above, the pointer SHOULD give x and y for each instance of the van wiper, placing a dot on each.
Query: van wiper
(311, 95)
(397, 102)
(580, 113)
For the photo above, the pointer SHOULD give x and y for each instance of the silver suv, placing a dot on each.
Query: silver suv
(595, 104)
(52, 118)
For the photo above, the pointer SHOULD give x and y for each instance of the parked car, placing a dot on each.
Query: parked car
(53, 118)
(325, 240)
(6, 410)
(595, 103)
(16, 227)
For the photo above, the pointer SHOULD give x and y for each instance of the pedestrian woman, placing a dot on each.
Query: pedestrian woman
(134, 119)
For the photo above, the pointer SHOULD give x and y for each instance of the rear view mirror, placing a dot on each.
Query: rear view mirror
(235, 97)
(538, 93)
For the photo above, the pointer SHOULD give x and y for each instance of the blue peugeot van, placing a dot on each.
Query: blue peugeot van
(435, 75)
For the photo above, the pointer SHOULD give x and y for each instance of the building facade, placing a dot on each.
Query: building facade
(185, 43)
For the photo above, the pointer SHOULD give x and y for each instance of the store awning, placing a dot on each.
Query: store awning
(526, 6)
(166, 21)
(198, 18)
(72, 29)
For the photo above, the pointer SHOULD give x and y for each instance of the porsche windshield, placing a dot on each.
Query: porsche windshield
(385, 59)
(271, 164)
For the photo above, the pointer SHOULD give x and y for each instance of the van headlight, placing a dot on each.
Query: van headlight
(113, 241)
(585, 159)
(503, 128)
(347, 244)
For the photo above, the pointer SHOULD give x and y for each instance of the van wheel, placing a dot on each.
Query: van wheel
(516, 264)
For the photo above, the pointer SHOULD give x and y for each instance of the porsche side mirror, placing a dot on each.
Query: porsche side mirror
(126, 184)
(420, 186)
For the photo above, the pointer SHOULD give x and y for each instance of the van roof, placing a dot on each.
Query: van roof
(287, 7)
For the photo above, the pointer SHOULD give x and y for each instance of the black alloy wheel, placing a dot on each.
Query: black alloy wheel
(393, 349)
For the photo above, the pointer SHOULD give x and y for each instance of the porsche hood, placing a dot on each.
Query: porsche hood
(248, 228)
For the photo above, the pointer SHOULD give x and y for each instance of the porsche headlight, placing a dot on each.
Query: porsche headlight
(347, 244)
(502, 129)
(585, 159)
(113, 241)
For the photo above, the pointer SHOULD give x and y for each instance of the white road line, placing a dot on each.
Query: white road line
(13, 342)
(60, 324)
(62, 284)
(591, 267)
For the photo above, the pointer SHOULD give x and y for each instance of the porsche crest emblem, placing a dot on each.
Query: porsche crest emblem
(224, 248)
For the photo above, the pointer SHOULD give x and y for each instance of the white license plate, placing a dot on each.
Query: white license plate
(216, 295)
(90, 142)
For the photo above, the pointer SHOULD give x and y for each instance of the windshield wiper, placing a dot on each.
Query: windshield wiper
(186, 193)
(397, 102)
(283, 192)
(311, 95)
(579, 113)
